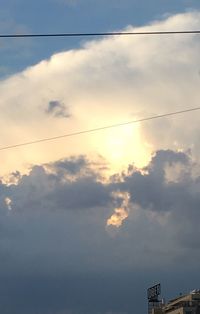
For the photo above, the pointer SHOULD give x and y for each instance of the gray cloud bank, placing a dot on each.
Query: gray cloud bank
(58, 255)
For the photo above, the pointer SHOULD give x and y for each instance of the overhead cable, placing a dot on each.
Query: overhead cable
(101, 34)
(98, 129)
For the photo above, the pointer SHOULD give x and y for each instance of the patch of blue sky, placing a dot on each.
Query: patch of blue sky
(71, 16)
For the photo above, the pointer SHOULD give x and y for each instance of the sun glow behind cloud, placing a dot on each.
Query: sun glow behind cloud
(108, 81)
(122, 146)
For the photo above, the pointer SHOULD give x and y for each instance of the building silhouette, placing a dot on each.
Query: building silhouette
(183, 304)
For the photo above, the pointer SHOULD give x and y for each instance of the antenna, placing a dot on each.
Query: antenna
(152, 294)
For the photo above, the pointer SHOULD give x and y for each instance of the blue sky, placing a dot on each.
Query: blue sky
(71, 16)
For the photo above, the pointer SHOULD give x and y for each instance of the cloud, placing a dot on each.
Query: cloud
(161, 193)
(168, 188)
(56, 234)
(122, 212)
(55, 238)
(118, 79)
(57, 109)
(8, 202)
(164, 190)
(65, 185)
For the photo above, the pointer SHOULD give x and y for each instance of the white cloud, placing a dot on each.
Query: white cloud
(107, 81)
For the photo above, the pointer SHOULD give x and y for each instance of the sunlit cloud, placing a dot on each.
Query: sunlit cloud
(121, 212)
(8, 203)
(107, 81)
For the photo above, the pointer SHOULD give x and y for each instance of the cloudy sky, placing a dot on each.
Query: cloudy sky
(89, 222)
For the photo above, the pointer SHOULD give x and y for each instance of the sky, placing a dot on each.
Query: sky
(89, 222)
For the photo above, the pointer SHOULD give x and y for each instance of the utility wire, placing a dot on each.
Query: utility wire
(100, 34)
(98, 129)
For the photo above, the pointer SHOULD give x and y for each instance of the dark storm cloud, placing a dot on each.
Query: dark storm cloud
(57, 256)
(66, 185)
(72, 165)
(151, 188)
(57, 109)
(169, 185)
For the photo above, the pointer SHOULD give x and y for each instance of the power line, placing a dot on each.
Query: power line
(99, 129)
(100, 34)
